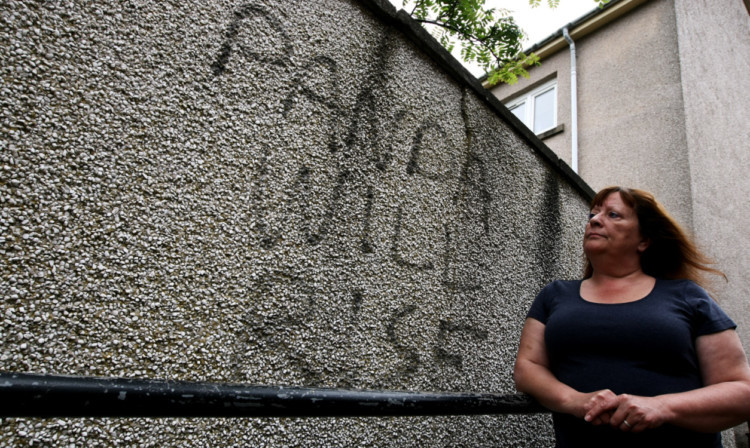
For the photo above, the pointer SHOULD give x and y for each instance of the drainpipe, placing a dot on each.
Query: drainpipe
(573, 101)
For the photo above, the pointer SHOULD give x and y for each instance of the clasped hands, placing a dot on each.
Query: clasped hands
(627, 412)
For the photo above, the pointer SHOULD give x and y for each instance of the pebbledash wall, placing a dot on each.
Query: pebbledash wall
(269, 192)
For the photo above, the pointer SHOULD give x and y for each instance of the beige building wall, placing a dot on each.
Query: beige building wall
(631, 120)
(630, 113)
(714, 51)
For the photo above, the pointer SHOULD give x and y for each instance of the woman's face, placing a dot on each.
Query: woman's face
(613, 229)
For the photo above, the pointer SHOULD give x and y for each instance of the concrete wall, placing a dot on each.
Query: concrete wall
(714, 52)
(268, 192)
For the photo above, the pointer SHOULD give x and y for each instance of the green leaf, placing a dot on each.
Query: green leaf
(487, 37)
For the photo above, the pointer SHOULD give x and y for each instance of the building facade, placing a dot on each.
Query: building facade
(661, 92)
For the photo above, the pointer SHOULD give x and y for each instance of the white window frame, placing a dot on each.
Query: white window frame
(528, 100)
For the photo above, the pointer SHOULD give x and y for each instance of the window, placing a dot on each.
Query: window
(537, 109)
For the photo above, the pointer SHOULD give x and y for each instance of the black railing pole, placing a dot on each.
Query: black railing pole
(32, 395)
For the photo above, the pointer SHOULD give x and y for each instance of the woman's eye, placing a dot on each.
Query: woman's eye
(591, 216)
(613, 215)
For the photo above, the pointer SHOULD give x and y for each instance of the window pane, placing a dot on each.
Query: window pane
(544, 111)
(520, 112)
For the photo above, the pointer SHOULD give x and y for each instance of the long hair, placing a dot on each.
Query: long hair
(671, 253)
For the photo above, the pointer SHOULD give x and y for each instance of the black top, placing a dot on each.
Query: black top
(645, 347)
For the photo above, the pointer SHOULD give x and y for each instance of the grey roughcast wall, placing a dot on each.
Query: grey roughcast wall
(266, 192)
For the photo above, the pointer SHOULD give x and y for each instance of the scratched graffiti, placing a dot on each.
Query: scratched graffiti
(260, 191)
(449, 330)
(340, 154)
(276, 52)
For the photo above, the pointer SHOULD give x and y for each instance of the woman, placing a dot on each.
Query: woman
(636, 353)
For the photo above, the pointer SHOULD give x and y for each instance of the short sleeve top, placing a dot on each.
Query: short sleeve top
(645, 347)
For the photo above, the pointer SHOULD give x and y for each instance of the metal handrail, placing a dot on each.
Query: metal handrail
(34, 395)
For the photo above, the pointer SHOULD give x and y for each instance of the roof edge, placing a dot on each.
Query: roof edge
(585, 25)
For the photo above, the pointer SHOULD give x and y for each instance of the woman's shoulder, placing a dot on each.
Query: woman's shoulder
(681, 287)
(553, 295)
(685, 292)
(707, 314)
(558, 287)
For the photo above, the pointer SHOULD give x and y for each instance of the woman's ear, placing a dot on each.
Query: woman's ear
(643, 245)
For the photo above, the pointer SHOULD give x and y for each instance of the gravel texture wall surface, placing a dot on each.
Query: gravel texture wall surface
(265, 192)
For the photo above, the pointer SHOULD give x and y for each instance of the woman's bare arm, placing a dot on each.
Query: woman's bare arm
(533, 376)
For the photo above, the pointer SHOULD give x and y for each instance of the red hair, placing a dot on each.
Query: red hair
(671, 253)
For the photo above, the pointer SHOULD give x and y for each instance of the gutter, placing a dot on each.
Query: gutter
(573, 101)
(585, 25)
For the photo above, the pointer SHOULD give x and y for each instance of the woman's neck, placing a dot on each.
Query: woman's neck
(615, 266)
(622, 287)
(622, 273)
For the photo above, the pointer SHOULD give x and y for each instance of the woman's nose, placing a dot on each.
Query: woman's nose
(594, 219)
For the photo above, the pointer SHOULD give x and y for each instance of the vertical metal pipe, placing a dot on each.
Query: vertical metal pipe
(573, 101)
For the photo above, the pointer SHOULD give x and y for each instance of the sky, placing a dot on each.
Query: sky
(542, 21)
(537, 23)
